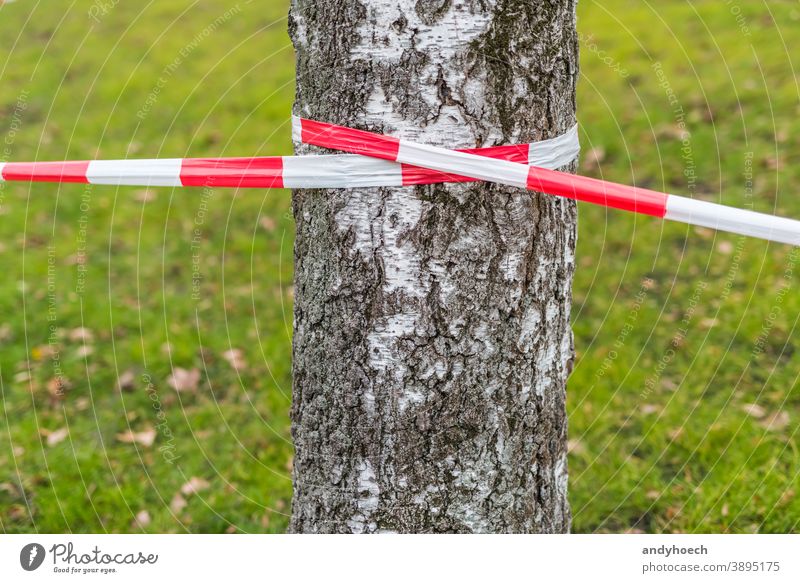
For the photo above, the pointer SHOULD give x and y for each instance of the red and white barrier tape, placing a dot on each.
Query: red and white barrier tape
(630, 198)
(339, 171)
(387, 161)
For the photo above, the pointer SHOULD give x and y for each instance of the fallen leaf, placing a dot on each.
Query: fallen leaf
(235, 358)
(775, 422)
(144, 438)
(649, 408)
(184, 380)
(81, 335)
(575, 446)
(194, 485)
(142, 518)
(76, 259)
(593, 158)
(754, 410)
(177, 504)
(57, 387)
(57, 436)
(708, 322)
(84, 351)
(22, 377)
(126, 380)
(268, 223)
(725, 247)
(9, 489)
(17, 512)
(145, 195)
(704, 233)
(725, 509)
(672, 131)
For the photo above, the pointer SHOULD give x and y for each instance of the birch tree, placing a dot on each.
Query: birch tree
(432, 340)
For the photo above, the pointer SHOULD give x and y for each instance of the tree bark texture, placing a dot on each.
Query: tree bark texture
(432, 340)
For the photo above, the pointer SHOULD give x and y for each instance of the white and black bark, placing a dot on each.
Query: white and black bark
(432, 341)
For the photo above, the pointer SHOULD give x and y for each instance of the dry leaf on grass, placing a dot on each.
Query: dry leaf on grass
(593, 158)
(268, 223)
(725, 247)
(126, 380)
(178, 503)
(84, 351)
(775, 422)
(235, 358)
(57, 386)
(81, 335)
(194, 485)
(144, 438)
(183, 380)
(649, 408)
(142, 518)
(575, 446)
(57, 436)
(145, 195)
(754, 410)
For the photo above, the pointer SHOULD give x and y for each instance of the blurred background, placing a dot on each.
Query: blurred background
(145, 334)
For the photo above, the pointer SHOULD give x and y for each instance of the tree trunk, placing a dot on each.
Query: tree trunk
(432, 341)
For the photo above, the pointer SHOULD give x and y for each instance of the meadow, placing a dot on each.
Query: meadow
(145, 337)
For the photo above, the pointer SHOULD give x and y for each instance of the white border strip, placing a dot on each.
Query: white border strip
(734, 220)
(158, 172)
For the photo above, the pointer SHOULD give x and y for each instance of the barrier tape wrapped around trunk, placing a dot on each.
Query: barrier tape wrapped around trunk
(378, 160)
(630, 198)
(337, 171)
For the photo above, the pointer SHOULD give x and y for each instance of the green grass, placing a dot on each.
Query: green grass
(673, 325)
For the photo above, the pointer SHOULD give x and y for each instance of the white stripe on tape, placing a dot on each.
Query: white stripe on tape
(342, 171)
(734, 220)
(297, 130)
(160, 172)
(452, 162)
(556, 152)
(2, 164)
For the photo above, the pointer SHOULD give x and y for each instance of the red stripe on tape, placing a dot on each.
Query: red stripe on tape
(46, 171)
(413, 175)
(334, 137)
(264, 172)
(619, 196)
